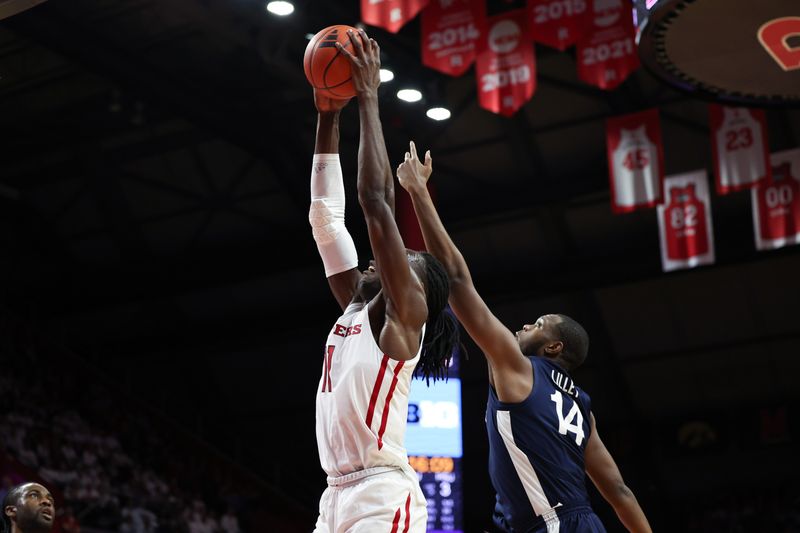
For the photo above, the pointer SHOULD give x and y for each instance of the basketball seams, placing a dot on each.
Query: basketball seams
(328, 66)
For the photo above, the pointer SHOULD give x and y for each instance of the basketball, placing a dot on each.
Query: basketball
(327, 70)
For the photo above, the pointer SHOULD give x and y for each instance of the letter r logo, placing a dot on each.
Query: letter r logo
(774, 37)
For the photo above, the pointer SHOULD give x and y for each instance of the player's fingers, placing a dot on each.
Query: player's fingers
(413, 149)
(358, 45)
(346, 52)
(428, 159)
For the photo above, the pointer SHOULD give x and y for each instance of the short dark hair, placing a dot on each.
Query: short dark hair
(12, 498)
(441, 329)
(576, 342)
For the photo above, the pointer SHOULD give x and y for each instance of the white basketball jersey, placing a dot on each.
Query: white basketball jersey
(636, 169)
(362, 399)
(740, 149)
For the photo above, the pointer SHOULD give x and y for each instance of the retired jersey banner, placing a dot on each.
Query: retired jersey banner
(390, 15)
(684, 222)
(635, 161)
(606, 50)
(557, 23)
(450, 30)
(776, 203)
(505, 65)
(739, 146)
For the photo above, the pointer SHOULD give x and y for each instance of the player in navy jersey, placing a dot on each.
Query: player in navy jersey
(543, 437)
(392, 323)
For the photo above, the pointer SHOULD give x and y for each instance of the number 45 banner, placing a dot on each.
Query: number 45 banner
(776, 203)
(684, 222)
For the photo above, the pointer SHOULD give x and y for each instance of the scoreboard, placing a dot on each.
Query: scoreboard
(434, 444)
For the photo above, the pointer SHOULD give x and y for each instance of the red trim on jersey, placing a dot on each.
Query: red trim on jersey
(376, 389)
(387, 403)
(330, 358)
(408, 513)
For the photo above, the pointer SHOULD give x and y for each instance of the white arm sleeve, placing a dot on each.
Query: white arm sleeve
(326, 216)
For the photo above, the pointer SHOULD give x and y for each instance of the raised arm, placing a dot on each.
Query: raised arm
(511, 370)
(402, 291)
(606, 477)
(326, 212)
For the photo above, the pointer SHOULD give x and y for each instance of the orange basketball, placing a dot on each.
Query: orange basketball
(327, 70)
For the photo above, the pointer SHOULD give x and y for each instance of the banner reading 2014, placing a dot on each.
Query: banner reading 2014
(505, 65)
(684, 222)
(450, 30)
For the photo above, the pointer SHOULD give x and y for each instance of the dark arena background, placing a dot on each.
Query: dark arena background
(163, 308)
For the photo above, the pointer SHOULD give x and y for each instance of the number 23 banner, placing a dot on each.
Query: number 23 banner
(739, 146)
(776, 203)
(684, 222)
(506, 65)
(635, 160)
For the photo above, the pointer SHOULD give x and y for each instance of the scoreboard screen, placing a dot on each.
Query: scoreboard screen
(434, 444)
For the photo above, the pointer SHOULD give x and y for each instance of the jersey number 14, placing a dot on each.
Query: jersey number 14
(573, 422)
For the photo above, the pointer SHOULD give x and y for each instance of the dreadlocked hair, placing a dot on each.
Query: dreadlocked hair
(441, 329)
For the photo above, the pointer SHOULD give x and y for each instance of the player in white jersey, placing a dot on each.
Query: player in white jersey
(393, 323)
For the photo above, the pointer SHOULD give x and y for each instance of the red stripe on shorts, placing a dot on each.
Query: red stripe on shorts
(376, 389)
(396, 521)
(387, 404)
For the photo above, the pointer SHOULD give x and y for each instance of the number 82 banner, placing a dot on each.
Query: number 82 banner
(684, 222)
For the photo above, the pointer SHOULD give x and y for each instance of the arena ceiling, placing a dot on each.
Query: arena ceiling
(154, 185)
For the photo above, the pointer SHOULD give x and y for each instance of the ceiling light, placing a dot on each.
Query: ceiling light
(280, 8)
(409, 95)
(438, 113)
(386, 75)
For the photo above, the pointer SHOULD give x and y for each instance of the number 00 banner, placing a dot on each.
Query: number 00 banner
(635, 160)
(450, 30)
(505, 65)
(776, 203)
(739, 145)
(684, 222)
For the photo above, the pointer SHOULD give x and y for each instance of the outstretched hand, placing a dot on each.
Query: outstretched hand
(364, 55)
(413, 173)
(326, 104)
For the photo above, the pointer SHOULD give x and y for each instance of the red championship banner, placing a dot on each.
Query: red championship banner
(739, 145)
(450, 30)
(635, 161)
(506, 65)
(390, 15)
(557, 23)
(606, 51)
(776, 203)
(684, 222)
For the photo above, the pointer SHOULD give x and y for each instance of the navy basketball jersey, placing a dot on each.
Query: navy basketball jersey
(536, 447)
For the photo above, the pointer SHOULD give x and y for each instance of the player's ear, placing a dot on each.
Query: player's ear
(10, 511)
(554, 348)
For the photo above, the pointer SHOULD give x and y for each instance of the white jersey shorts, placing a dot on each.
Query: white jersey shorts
(375, 500)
